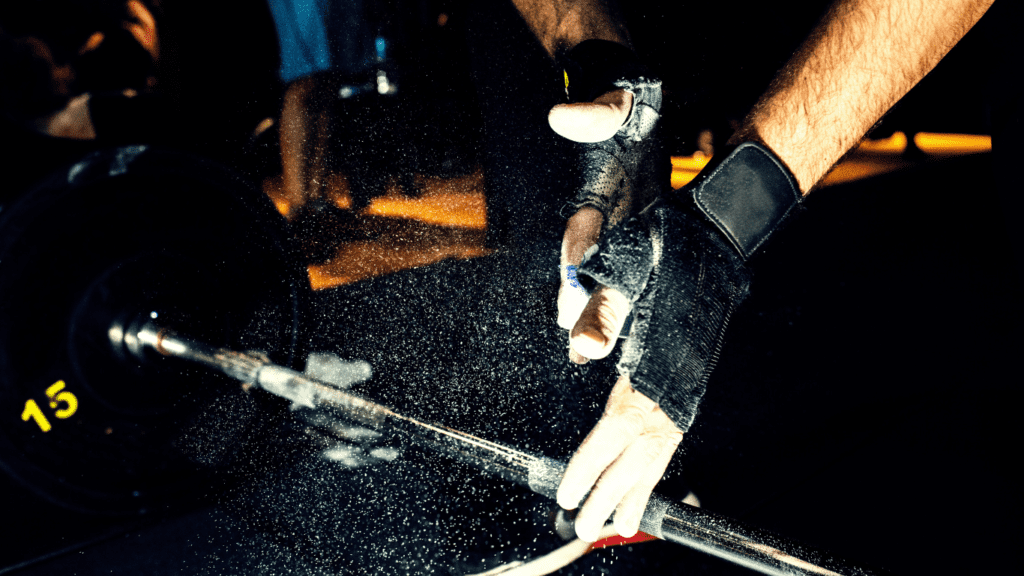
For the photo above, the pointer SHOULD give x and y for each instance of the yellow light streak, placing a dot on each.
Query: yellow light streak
(895, 144)
(932, 143)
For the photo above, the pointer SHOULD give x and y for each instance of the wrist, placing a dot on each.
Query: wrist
(807, 159)
(594, 67)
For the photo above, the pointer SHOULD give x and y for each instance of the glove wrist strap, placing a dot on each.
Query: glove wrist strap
(747, 195)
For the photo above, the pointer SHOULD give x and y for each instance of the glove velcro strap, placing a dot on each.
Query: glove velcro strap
(747, 195)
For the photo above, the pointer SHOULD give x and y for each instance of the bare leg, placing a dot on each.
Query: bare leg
(305, 133)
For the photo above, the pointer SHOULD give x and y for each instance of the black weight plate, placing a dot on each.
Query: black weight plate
(122, 234)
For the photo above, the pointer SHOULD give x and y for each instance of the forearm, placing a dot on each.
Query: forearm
(861, 59)
(562, 24)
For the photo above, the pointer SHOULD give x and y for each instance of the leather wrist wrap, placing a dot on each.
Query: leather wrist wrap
(746, 195)
(617, 170)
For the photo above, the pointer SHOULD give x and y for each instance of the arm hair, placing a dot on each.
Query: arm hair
(859, 61)
(562, 24)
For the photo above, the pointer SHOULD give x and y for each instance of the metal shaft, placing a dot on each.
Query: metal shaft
(676, 522)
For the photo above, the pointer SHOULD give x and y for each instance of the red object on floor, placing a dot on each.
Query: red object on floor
(619, 540)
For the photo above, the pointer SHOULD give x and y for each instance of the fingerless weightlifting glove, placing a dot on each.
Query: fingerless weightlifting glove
(625, 168)
(681, 262)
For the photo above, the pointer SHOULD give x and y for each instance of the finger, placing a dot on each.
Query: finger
(631, 508)
(581, 232)
(622, 423)
(597, 329)
(576, 358)
(640, 462)
(601, 447)
(592, 121)
(572, 299)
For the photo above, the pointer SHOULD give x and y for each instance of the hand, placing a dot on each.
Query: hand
(584, 122)
(622, 459)
(619, 169)
(613, 111)
(679, 266)
(625, 455)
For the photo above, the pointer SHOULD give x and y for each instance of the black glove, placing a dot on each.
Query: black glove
(681, 263)
(628, 167)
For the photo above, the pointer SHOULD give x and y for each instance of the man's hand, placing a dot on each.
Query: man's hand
(584, 122)
(680, 267)
(619, 463)
(613, 109)
(619, 169)
(625, 455)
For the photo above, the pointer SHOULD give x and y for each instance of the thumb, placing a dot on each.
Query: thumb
(598, 327)
(592, 121)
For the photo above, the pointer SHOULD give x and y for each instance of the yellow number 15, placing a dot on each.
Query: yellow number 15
(57, 396)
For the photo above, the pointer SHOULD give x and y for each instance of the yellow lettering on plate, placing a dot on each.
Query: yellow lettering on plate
(57, 394)
(32, 411)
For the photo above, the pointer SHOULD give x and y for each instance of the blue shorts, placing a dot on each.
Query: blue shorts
(320, 35)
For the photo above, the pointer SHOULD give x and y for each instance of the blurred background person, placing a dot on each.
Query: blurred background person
(69, 76)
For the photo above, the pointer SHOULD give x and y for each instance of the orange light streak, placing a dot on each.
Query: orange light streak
(449, 219)
(393, 252)
(943, 144)
(895, 144)
(458, 209)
